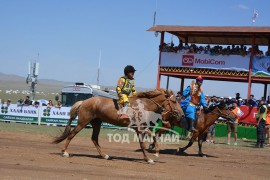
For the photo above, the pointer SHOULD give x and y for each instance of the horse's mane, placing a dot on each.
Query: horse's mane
(220, 105)
(154, 93)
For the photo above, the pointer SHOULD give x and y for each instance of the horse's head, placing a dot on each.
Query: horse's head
(165, 101)
(222, 110)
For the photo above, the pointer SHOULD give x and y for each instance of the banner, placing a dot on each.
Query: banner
(261, 66)
(249, 114)
(40, 115)
(59, 116)
(231, 62)
(16, 113)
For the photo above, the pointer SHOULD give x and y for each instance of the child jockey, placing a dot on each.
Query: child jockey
(194, 98)
(124, 88)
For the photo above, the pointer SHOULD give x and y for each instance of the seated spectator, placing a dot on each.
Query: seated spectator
(267, 53)
(20, 102)
(36, 104)
(27, 101)
(2, 102)
(8, 102)
(58, 105)
(252, 101)
(50, 104)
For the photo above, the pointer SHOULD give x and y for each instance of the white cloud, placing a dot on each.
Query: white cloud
(241, 6)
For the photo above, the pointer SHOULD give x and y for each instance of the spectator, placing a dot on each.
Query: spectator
(8, 102)
(20, 102)
(222, 100)
(252, 101)
(211, 134)
(267, 125)
(214, 100)
(50, 104)
(2, 102)
(58, 105)
(267, 53)
(232, 125)
(268, 100)
(240, 102)
(261, 117)
(36, 104)
(27, 101)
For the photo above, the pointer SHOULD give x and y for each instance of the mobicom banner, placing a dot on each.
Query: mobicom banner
(231, 62)
(12, 112)
(261, 66)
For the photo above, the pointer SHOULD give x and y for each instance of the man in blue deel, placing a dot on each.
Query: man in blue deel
(194, 98)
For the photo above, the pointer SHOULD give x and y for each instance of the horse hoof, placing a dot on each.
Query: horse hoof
(181, 150)
(156, 156)
(202, 155)
(65, 154)
(107, 157)
(150, 161)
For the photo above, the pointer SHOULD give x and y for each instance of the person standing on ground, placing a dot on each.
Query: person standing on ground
(232, 125)
(261, 117)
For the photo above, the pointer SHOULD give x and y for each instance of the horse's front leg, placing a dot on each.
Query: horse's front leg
(141, 140)
(190, 143)
(156, 155)
(200, 141)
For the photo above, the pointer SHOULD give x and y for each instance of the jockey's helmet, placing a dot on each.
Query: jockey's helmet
(129, 69)
(199, 79)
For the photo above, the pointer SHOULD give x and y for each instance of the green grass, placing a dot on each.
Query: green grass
(53, 131)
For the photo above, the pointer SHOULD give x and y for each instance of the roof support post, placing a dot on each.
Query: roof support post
(159, 60)
(265, 90)
(168, 81)
(182, 84)
(250, 65)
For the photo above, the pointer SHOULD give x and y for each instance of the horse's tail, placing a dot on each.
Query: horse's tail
(73, 114)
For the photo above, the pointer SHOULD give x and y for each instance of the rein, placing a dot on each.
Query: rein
(163, 110)
(220, 113)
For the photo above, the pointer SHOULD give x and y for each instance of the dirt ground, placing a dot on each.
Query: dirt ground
(30, 156)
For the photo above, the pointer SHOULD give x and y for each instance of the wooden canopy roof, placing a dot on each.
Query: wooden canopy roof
(223, 35)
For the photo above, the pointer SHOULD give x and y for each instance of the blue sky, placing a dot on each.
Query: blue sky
(69, 34)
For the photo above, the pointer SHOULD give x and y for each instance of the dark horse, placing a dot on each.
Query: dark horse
(205, 120)
(99, 109)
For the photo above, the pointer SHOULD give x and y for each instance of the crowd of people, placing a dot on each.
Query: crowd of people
(27, 102)
(215, 50)
(192, 107)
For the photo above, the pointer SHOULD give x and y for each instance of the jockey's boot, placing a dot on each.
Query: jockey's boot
(191, 126)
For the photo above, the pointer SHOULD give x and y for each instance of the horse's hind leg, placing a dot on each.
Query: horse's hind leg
(76, 129)
(96, 124)
(141, 139)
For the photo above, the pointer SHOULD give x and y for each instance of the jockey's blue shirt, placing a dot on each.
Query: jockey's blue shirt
(188, 108)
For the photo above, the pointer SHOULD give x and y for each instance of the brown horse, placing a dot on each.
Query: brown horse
(205, 120)
(99, 109)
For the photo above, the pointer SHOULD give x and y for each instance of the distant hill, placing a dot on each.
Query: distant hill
(49, 87)
(15, 82)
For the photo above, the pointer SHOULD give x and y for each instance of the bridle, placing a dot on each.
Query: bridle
(220, 113)
(163, 111)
